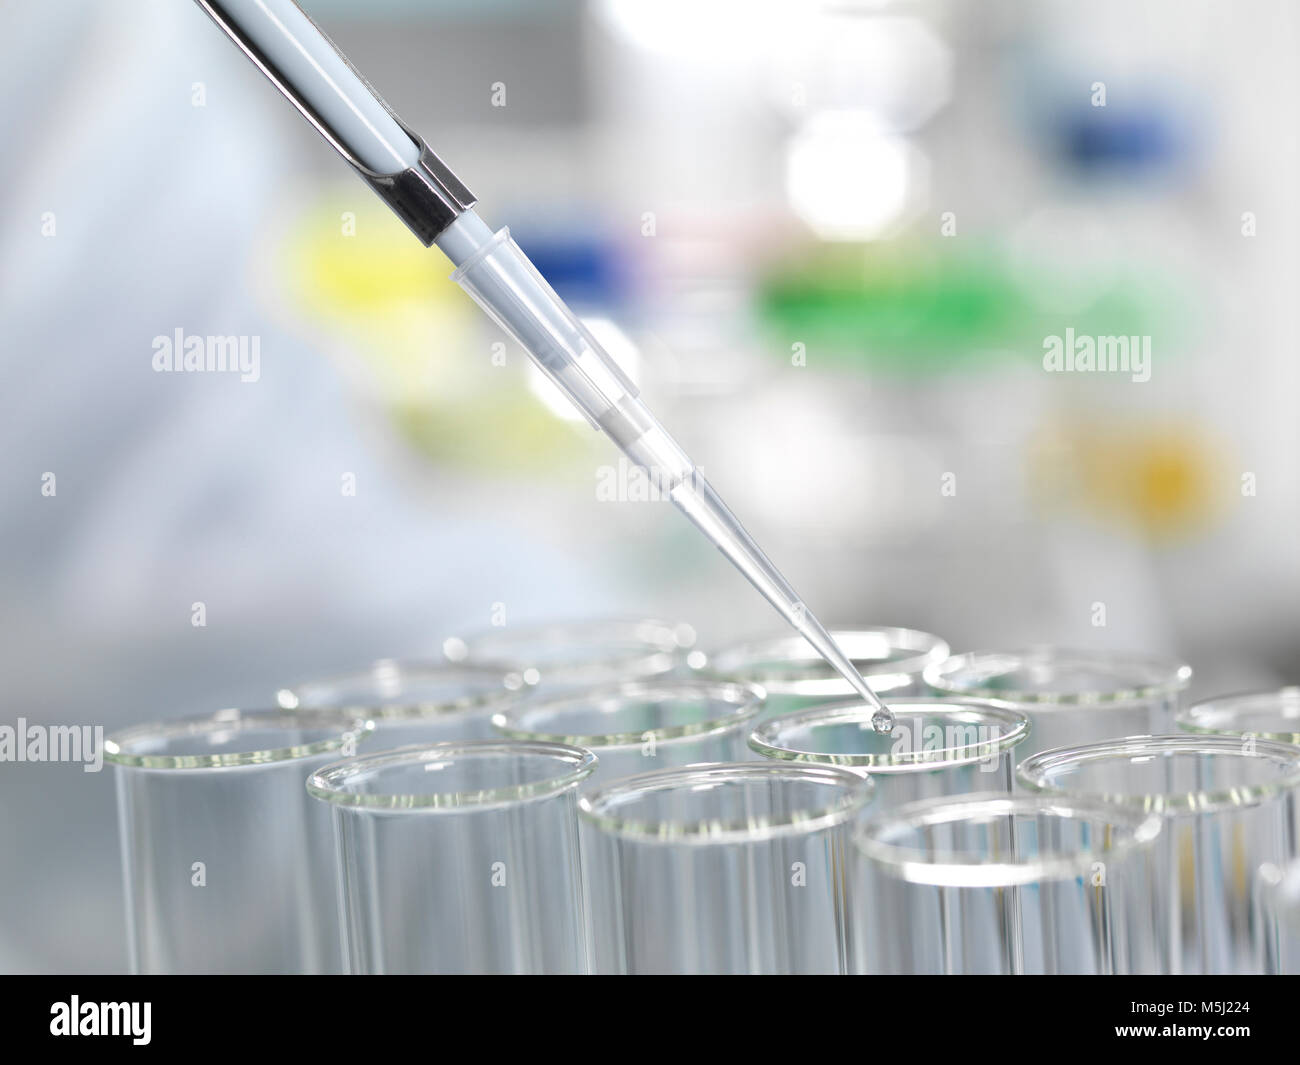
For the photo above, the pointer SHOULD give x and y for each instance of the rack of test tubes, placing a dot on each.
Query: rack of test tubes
(620, 797)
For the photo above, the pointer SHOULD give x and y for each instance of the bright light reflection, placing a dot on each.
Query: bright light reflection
(848, 179)
(717, 31)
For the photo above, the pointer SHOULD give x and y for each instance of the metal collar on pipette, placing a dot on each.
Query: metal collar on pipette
(428, 197)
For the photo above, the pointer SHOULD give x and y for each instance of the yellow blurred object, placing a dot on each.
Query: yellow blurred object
(1186, 864)
(1164, 480)
(439, 371)
(359, 272)
(1240, 869)
(362, 260)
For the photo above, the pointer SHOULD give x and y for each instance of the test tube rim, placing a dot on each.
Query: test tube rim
(290, 700)
(1032, 770)
(913, 762)
(345, 727)
(929, 649)
(320, 784)
(1187, 718)
(915, 867)
(1177, 676)
(653, 647)
(859, 791)
(748, 702)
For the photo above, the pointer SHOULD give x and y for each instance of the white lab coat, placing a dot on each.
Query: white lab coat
(176, 489)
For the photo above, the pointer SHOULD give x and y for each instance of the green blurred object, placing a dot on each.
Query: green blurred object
(903, 309)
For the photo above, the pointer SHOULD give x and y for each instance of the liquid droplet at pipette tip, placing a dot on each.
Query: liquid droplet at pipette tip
(882, 718)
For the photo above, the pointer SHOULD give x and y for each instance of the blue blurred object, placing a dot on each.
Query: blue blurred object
(584, 268)
(1145, 138)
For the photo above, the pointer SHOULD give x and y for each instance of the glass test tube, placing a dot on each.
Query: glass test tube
(228, 865)
(459, 857)
(409, 702)
(1270, 715)
(1004, 884)
(736, 868)
(795, 676)
(1229, 806)
(576, 654)
(1070, 696)
(640, 726)
(937, 746)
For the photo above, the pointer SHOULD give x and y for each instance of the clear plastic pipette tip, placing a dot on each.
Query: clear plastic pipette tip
(696, 498)
(495, 271)
(882, 720)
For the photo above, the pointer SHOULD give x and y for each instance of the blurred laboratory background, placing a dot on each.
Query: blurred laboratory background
(827, 239)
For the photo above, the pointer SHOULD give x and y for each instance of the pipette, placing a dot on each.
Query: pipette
(437, 207)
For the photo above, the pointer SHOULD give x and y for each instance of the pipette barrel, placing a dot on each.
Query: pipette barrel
(318, 79)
